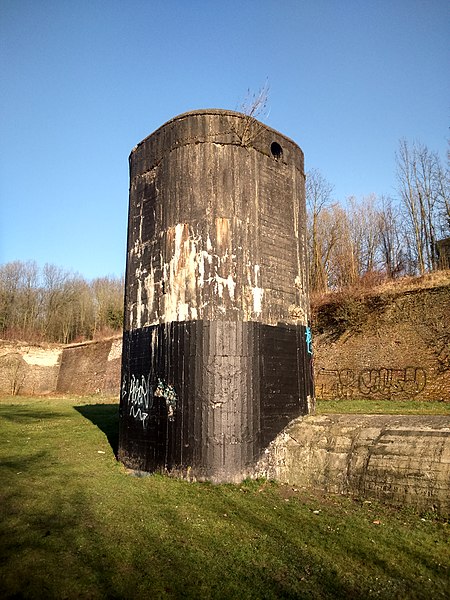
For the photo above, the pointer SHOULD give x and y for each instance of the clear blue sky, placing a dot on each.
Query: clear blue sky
(83, 82)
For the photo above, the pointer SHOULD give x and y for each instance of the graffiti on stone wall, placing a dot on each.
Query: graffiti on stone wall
(410, 381)
(139, 396)
(378, 383)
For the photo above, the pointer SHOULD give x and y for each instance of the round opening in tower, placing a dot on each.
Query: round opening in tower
(277, 150)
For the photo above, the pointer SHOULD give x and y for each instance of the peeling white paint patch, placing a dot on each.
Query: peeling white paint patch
(192, 267)
(179, 229)
(201, 269)
(136, 249)
(227, 283)
(139, 303)
(231, 284)
(183, 311)
(189, 280)
(257, 294)
(201, 259)
(299, 283)
(149, 284)
(131, 316)
(180, 275)
(257, 291)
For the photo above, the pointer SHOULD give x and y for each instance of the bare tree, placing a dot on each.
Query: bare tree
(442, 181)
(9, 278)
(19, 296)
(391, 242)
(30, 297)
(423, 192)
(57, 295)
(253, 107)
(343, 260)
(14, 369)
(405, 178)
(363, 220)
(255, 103)
(321, 236)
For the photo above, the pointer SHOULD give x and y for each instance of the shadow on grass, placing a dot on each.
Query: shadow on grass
(24, 415)
(106, 418)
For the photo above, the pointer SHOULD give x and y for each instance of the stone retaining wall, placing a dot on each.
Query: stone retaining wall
(91, 368)
(87, 368)
(27, 369)
(388, 347)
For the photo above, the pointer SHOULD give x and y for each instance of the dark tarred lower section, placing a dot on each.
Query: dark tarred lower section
(203, 399)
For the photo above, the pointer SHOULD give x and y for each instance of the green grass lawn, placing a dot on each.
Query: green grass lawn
(75, 524)
(383, 407)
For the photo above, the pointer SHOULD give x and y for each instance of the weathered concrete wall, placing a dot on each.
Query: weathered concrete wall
(28, 369)
(217, 356)
(396, 459)
(392, 346)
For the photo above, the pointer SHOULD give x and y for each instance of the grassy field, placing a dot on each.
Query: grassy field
(383, 407)
(75, 524)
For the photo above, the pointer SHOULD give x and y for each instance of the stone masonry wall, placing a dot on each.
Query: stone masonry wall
(387, 347)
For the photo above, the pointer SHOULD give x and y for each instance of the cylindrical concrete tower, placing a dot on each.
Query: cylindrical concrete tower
(217, 354)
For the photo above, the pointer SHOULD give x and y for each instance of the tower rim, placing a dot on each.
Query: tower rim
(215, 112)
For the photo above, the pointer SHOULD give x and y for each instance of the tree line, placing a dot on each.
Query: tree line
(379, 236)
(55, 305)
(357, 242)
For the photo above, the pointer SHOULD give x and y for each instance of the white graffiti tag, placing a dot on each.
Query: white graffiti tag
(139, 397)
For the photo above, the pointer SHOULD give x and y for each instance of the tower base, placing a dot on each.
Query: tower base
(203, 399)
